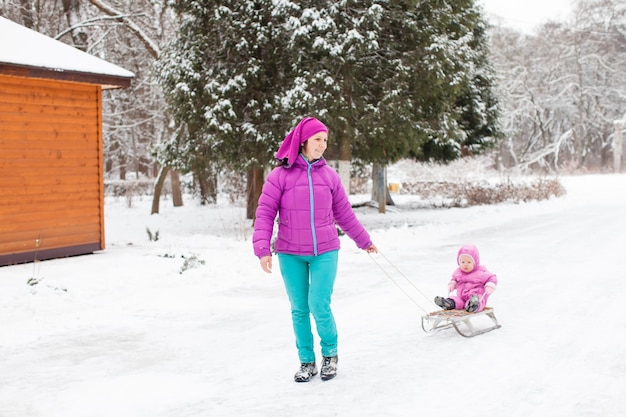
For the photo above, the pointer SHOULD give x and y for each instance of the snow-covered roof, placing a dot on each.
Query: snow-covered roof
(25, 48)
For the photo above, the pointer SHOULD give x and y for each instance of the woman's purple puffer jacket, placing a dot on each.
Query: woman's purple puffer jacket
(309, 199)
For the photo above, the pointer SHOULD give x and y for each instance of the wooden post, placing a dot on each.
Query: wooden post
(382, 191)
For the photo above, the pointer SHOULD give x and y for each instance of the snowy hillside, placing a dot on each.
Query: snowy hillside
(189, 325)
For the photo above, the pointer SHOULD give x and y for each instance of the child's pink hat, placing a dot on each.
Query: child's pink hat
(471, 251)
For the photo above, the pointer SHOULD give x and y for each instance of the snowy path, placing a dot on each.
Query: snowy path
(123, 333)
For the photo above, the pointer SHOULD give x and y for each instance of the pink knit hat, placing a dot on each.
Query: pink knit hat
(290, 148)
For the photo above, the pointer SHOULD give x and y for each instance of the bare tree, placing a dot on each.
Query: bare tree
(74, 17)
(562, 89)
(128, 33)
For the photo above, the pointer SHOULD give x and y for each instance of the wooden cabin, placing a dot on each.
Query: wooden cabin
(51, 158)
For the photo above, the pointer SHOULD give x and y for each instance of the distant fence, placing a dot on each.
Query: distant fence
(140, 187)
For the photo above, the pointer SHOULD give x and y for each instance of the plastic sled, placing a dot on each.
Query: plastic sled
(461, 321)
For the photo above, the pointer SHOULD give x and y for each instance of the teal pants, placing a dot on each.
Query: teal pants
(309, 281)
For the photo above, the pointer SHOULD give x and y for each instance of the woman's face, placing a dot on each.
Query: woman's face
(315, 146)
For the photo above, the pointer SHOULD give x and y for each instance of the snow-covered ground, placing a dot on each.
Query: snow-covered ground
(124, 333)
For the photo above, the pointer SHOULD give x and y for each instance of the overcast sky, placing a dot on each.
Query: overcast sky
(526, 15)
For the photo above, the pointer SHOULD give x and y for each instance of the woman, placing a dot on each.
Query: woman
(309, 199)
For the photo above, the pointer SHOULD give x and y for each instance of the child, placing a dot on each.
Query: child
(471, 280)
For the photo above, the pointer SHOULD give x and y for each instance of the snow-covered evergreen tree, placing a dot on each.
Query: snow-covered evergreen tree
(391, 79)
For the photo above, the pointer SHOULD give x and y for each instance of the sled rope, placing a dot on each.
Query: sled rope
(398, 285)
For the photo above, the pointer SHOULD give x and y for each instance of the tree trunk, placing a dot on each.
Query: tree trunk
(73, 15)
(345, 154)
(208, 186)
(254, 187)
(618, 146)
(122, 162)
(579, 130)
(177, 194)
(26, 12)
(158, 188)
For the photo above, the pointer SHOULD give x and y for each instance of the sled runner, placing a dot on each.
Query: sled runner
(461, 320)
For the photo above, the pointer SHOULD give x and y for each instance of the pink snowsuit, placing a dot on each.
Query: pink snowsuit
(474, 282)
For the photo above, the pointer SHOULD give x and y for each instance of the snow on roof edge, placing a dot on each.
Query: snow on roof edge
(30, 48)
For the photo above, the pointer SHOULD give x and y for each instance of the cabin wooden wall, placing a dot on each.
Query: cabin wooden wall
(51, 185)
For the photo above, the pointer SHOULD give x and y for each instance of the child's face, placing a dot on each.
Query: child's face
(466, 263)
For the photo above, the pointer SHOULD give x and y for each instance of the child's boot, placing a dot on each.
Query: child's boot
(445, 303)
(472, 304)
